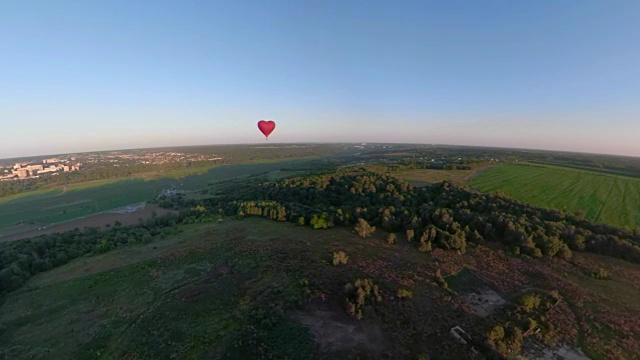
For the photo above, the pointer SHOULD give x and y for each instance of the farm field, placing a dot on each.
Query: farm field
(427, 176)
(101, 220)
(609, 199)
(31, 211)
(263, 289)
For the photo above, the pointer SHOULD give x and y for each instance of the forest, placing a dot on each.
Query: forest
(445, 215)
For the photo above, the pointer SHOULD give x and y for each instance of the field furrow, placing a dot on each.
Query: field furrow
(610, 199)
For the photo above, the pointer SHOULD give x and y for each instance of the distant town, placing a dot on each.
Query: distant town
(156, 157)
(33, 169)
(28, 170)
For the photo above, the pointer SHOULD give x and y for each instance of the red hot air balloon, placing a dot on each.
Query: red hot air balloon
(266, 127)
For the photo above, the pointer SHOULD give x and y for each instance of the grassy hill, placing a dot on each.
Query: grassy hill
(609, 199)
(261, 289)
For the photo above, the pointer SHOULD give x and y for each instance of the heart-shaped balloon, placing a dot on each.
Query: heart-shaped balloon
(266, 127)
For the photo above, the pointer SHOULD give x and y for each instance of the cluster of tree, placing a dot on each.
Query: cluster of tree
(21, 259)
(363, 292)
(444, 215)
(170, 202)
(268, 209)
(525, 318)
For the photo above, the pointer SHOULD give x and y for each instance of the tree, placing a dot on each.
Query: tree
(340, 258)
(320, 222)
(530, 301)
(364, 229)
(410, 235)
(440, 279)
(425, 246)
(496, 333)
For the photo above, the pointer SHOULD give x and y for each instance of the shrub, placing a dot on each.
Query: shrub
(364, 229)
(530, 301)
(340, 258)
(601, 274)
(391, 238)
(425, 246)
(440, 279)
(496, 333)
(404, 294)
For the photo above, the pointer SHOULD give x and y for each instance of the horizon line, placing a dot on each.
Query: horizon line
(327, 143)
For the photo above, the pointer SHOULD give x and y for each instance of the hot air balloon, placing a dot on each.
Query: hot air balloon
(266, 126)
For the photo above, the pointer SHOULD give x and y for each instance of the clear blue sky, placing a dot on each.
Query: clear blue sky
(90, 75)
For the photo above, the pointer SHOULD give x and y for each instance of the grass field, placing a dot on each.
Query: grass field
(609, 199)
(30, 211)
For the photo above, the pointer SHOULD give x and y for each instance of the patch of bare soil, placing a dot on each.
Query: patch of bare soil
(335, 334)
(536, 350)
(193, 293)
(219, 271)
(418, 183)
(477, 172)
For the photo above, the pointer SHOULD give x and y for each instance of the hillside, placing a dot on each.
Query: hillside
(261, 289)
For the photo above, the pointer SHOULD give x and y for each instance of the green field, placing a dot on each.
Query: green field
(31, 210)
(609, 199)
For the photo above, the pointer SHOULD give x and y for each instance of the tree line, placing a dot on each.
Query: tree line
(445, 215)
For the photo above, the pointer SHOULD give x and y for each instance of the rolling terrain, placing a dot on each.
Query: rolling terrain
(605, 198)
(305, 260)
(266, 290)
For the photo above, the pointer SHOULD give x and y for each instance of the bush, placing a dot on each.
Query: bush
(425, 247)
(364, 229)
(340, 258)
(440, 279)
(391, 238)
(404, 294)
(496, 333)
(601, 274)
(530, 301)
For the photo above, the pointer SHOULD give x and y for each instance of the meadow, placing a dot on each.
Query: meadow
(609, 199)
(24, 212)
